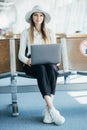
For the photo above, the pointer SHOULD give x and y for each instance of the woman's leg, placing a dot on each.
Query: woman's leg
(55, 115)
(52, 76)
(49, 101)
(40, 72)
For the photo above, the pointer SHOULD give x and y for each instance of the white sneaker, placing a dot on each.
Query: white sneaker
(57, 118)
(47, 117)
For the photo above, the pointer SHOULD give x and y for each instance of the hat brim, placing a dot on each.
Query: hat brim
(28, 15)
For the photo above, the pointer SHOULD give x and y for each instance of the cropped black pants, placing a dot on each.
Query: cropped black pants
(46, 76)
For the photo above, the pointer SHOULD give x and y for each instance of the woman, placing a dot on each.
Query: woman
(45, 74)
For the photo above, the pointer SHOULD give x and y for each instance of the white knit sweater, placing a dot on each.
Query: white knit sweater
(25, 42)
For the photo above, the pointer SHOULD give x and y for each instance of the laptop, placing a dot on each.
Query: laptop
(45, 54)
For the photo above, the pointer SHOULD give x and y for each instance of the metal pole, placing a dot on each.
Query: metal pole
(13, 77)
(65, 59)
(64, 55)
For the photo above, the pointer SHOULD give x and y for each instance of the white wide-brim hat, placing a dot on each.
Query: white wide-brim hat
(37, 9)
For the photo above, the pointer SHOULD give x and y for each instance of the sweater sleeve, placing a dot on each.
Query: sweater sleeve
(22, 49)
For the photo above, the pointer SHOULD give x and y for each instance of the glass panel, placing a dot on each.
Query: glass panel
(8, 16)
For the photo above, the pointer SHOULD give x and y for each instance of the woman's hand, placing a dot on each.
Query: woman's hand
(29, 62)
(58, 64)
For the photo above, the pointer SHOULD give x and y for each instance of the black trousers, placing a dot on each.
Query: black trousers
(46, 76)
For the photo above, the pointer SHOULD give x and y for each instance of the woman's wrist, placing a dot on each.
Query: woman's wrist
(29, 62)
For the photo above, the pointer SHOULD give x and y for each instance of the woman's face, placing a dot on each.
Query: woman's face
(38, 18)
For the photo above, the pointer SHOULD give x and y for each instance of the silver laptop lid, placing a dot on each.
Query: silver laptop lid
(46, 53)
